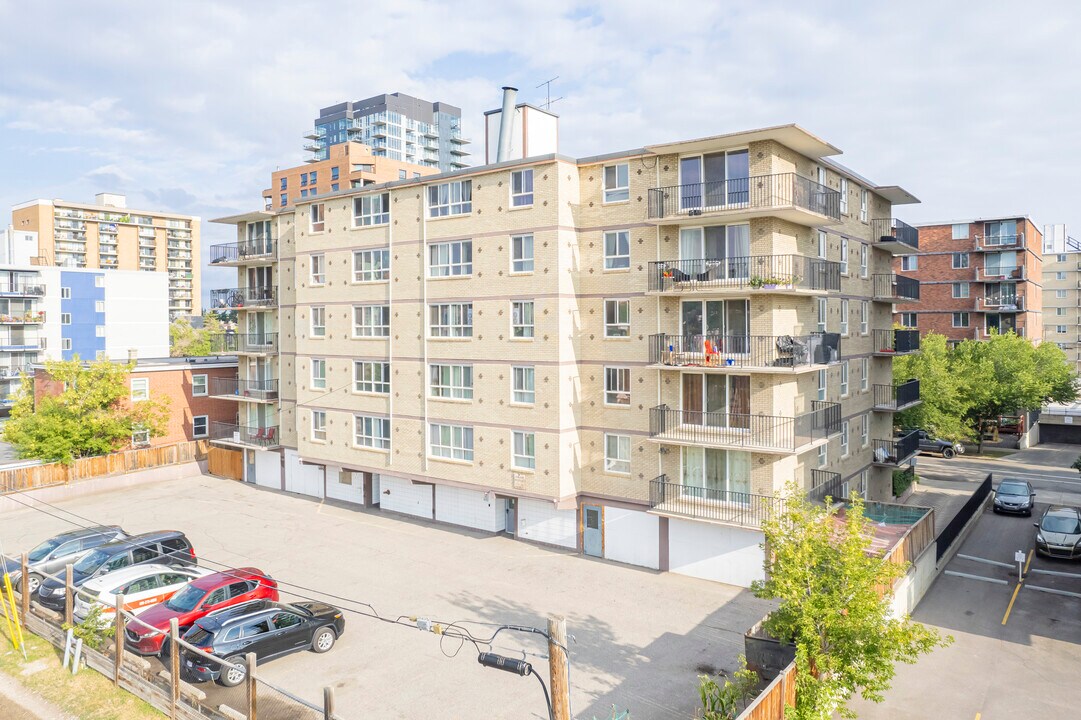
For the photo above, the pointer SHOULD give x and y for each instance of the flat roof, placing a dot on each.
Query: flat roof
(790, 135)
(57, 202)
(989, 218)
(171, 363)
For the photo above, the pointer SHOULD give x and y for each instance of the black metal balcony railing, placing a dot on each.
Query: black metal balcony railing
(239, 251)
(229, 343)
(1005, 303)
(896, 287)
(254, 389)
(827, 484)
(761, 192)
(737, 508)
(893, 452)
(886, 230)
(244, 297)
(21, 288)
(757, 272)
(897, 341)
(744, 351)
(245, 434)
(897, 397)
(744, 430)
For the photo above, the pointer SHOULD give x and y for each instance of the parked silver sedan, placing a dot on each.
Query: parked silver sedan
(1058, 533)
(50, 557)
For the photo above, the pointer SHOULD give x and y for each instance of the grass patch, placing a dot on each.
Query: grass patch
(88, 695)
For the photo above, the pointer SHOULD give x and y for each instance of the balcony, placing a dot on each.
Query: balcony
(742, 353)
(993, 243)
(1004, 303)
(783, 274)
(890, 287)
(238, 253)
(32, 317)
(20, 344)
(827, 484)
(702, 503)
(743, 431)
(787, 196)
(897, 237)
(23, 289)
(312, 147)
(894, 398)
(235, 389)
(891, 453)
(997, 273)
(237, 298)
(243, 435)
(896, 342)
(15, 371)
(244, 344)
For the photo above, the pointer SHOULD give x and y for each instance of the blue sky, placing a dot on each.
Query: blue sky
(189, 106)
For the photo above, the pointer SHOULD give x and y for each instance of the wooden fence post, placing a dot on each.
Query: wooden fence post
(174, 667)
(24, 587)
(118, 638)
(251, 662)
(69, 593)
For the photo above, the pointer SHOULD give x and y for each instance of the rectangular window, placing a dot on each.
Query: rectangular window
(335, 173)
(318, 215)
(1060, 294)
(844, 317)
(403, 175)
(864, 199)
(523, 385)
(198, 385)
(1061, 258)
(371, 265)
(521, 318)
(617, 386)
(617, 185)
(65, 293)
(99, 331)
(1060, 311)
(844, 378)
(65, 318)
(454, 198)
(99, 306)
(524, 452)
(960, 319)
(960, 260)
(1060, 275)
(319, 425)
(319, 322)
(822, 243)
(910, 262)
(371, 432)
(960, 290)
(319, 374)
(314, 178)
(823, 455)
(304, 193)
(823, 308)
(617, 318)
(521, 188)
(334, 187)
(303, 179)
(371, 210)
(844, 196)
(521, 254)
(451, 441)
(822, 381)
(371, 321)
(318, 270)
(450, 259)
(451, 381)
(865, 374)
(1060, 329)
(283, 199)
(908, 319)
(140, 437)
(844, 256)
(863, 260)
(865, 430)
(199, 426)
(960, 231)
(844, 439)
(865, 316)
(371, 377)
(283, 184)
(451, 320)
(140, 389)
(617, 454)
(65, 343)
(617, 250)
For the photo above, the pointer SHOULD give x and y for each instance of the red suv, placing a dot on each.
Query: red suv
(194, 601)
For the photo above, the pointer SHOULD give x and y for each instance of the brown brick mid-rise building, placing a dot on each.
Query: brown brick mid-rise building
(976, 277)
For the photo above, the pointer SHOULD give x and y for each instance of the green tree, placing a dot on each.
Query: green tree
(821, 569)
(187, 341)
(91, 415)
(944, 398)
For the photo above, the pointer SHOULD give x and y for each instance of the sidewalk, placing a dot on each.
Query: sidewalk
(18, 703)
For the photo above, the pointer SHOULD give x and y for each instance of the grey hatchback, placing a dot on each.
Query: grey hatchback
(1058, 533)
(51, 556)
(1014, 496)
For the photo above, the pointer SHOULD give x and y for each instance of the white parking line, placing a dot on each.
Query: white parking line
(1059, 573)
(977, 577)
(1053, 591)
(984, 560)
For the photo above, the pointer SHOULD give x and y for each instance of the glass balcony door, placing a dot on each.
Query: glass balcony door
(714, 181)
(723, 323)
(716, 400)
(1003, 232)
(722, 251)
(712, 474)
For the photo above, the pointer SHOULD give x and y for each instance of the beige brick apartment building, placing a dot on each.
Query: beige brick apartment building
(629, 354)
(1062, 291)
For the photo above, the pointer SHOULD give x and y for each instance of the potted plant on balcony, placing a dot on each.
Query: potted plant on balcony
(771, 282)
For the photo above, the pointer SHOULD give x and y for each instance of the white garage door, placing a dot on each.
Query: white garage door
(631, 536)
(402, 496)
(715, 552)
(538, 520)
(302, 478)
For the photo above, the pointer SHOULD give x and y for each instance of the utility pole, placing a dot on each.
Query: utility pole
(557, 666)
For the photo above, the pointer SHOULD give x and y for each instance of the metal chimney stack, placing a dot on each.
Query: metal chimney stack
(506, 123)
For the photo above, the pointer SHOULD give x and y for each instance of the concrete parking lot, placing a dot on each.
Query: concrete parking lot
(1016, 644)
(640, 637)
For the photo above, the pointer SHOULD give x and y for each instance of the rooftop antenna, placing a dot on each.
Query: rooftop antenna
(548, 100)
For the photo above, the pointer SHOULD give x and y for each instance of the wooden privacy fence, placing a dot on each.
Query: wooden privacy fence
(771, 702)
(35, 476)
(225, 463)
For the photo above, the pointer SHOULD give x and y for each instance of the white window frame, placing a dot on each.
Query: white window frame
(823, 455)
(65, 343)
(142, 392)
(844, 378)
(844, 256)
(615, 310)
(907, 316)
(967, 323)
(450, 320)
(844, 196)
(959, 261)
(65, 318)
(318, 374)
(442, 262)
(617, 260)
(520, 262)
(523, 319)
(450, 381)
(620, 463)
(371, 432)
(319, 425)
(99, 281)
(844, 438)
(823, 314)
(617, 192)
(844, 317)
(371, 265)
(910, 263)
(823, 384)
(318, 270)
(617, 386)
(864, 203)
(823, 245)
(455, 442)
(1060, 329)
(865, 430)
(1060, 294)
(520, 195)
(865, 374)
(523, 454)
(200, 379)
(206, 426)
(372, 377)
(318, 216)
(865, 316)
(371, 210)
(363, 315)
(450, 199)
(99, 331)
(140, 437)
(319, 321)
(523, 385)
(99, 306)
(963, 229)
(65, 293)
(863, 260)
(959, 290)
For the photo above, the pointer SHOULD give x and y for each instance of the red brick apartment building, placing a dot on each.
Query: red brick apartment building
(200, 390)
(976, 276)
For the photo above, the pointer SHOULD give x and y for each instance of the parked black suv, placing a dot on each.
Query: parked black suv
(169, 547)
(928, 444)
(268, 629)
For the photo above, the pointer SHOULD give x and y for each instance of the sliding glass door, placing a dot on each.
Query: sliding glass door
(722, 250)
(712, 181)
(721, 475)
(716, 400)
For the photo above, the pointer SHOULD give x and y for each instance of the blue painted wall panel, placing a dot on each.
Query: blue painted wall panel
(85, 319)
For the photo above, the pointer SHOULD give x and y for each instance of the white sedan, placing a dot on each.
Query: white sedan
(142, 586)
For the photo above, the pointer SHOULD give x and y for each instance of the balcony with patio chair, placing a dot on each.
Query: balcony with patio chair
(890, 343)
(773, 274)
(244, 436)
(785, 354)
(893, 453)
